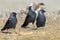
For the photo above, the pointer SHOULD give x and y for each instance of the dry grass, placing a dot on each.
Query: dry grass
(50, 32)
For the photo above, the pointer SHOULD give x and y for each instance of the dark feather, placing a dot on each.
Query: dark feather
(11, 22)
(41, 19)
(30, 18)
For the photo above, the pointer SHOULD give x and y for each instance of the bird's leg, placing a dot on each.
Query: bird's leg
(34, 26)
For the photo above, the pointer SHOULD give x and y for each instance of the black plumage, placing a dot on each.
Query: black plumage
(30, 18)
(11, 22)
(41, 19)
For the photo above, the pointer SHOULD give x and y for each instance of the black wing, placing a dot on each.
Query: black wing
(6, 25)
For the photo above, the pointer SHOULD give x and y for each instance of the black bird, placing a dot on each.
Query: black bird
(41, 19)
(30, 18)
(11, 22)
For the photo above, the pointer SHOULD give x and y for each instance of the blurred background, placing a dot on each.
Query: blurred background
(7, 6)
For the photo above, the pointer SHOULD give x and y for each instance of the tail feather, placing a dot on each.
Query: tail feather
(3, 29)
(25, 24)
